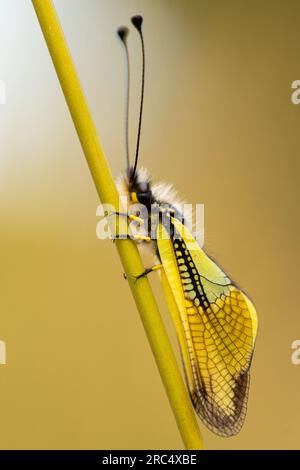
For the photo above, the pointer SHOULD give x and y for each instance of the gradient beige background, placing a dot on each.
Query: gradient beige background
(220, 125)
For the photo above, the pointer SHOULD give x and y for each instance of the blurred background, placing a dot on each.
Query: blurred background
(218, 124)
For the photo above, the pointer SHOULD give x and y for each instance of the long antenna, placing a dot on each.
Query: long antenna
(123, 33)
(137, 21)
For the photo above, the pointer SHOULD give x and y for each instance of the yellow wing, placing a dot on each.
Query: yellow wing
(216, 325)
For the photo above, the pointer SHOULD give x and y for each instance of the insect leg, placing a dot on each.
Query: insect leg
(143, 238)
(149, 270)
(129, 216)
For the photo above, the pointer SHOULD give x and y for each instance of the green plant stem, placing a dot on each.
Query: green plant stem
(131, 261)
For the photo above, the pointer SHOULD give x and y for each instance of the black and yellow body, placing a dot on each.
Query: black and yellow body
(215, 321)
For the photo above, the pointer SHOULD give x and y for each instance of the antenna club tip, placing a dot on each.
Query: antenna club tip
(137, 21)
(123, 33)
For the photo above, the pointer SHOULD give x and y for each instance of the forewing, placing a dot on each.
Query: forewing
(219, 326)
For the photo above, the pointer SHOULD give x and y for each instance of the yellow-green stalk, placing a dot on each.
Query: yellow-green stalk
(131, 261)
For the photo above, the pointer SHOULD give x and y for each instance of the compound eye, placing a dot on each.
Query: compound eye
(145, 197)
(143, 187)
